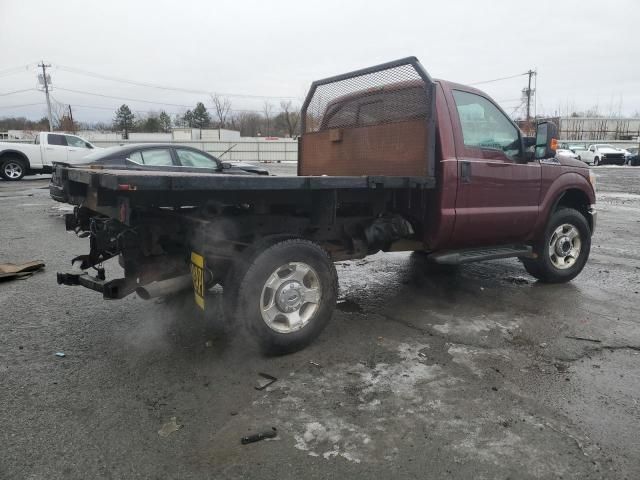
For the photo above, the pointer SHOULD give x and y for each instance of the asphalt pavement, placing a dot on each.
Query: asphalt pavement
(470, 372)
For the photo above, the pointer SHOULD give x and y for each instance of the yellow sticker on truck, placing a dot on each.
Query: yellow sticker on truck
(197, 275)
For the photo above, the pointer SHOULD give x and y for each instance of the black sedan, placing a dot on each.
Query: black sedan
(160, 157)
(634, 159)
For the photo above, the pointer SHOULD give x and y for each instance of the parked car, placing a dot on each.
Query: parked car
(577, 148)
(603, 154)
(566, 153)
(20, 159)
(633, 159)
(626, 153)
(157, 157)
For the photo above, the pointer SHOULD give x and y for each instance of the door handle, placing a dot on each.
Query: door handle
(72, 150)
(465, 172)
(49, 148)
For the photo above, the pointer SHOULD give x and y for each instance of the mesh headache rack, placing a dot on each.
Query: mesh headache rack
(375, 121)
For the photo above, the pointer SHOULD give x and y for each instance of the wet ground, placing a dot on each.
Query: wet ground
(422, 373)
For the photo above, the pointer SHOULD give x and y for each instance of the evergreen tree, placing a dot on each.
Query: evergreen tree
(124, 120)
(165, 121)
(187, 119)
(201, 117)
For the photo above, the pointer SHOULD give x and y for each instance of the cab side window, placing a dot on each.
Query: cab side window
(75, 142)
(485, 127)
(53, 139)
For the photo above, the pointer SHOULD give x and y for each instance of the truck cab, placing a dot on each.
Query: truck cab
(63, 148)
(20, 159)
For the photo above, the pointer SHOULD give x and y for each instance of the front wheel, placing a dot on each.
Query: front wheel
(596, 162)
(285, 294)
(12, 169)
(564, 249)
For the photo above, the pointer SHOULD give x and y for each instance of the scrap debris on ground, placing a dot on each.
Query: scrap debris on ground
(10, 271)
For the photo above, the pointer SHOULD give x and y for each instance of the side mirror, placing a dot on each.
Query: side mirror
(529, 142)
(226, 165)
(546, 140)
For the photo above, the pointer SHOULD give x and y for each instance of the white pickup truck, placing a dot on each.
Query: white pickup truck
(603, 154)
(20, 159)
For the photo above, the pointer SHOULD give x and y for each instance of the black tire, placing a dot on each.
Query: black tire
(238, 268)
(245, 288)
(13, 168)
(596, 162)
(543, 267)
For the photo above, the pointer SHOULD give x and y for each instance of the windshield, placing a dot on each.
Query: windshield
(604, 145)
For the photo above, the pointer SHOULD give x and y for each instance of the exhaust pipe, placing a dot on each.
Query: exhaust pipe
(164, 287)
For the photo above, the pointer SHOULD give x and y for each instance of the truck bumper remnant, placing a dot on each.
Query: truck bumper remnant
(112, 289)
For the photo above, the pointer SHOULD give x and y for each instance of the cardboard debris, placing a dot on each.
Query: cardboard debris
(169, 427)
(10, 271)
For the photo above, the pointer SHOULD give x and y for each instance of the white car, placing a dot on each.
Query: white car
(603, 154)
(566, 153)
(577, 148)
(20, 159)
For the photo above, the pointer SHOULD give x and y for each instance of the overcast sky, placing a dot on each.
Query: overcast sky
(586, 52)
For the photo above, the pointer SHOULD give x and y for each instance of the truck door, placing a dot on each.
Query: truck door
(55, 149)
(590, 154)
(77, 148)
(498, 190)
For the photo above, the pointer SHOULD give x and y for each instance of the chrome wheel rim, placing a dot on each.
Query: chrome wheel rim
(13, 170)
(290, 297)
(564, 246)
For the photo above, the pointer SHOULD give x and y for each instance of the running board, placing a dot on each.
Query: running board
(469, 255)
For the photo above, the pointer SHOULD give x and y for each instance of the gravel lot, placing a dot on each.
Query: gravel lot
(422, 373)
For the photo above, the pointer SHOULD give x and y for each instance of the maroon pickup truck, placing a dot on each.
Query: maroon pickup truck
(389, 160)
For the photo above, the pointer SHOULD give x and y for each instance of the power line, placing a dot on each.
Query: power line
(14, 70)
(123, 98)
(147, 101)
(500, 79)
(165, 87)
(510, 100)
(17, 91)
(23, 105)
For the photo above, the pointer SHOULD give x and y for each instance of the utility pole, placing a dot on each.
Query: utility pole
(46, 92)
(73, 125)
(528, 93)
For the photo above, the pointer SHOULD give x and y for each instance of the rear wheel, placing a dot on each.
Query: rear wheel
(12, 168)
(285, 294)
(564, 249)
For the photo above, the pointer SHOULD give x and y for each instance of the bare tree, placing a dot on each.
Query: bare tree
(267, 109)
(291, 118)
(248, 123)
(222, 107)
